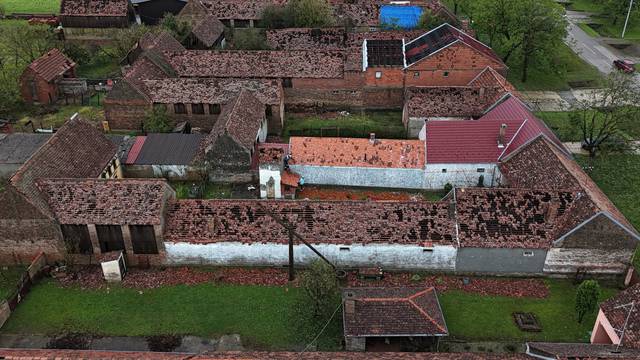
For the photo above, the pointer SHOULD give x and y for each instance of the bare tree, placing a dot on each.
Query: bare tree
(599, 116)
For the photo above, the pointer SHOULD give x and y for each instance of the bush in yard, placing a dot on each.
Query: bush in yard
(179, 28)
(299, 13)
(428, 20)
(249, 39)
(78, 53)
(320, 288)
(157, 120)
(587, 298)
(447, 188)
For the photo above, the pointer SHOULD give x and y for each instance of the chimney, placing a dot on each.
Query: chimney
(349, 304)
(501, 137)
(372, 138)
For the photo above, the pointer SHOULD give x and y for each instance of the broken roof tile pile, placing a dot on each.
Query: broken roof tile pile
(99, 201)
(210, 91)
(510, 218)
(392, 312)
(617, 308)
(258, 64)
(542, 165)
(326, 222)
(307, 39)
(353, 152)
(240, 119)
(51, 65)
(239, 9)
(76, 150)
(269, 153)
(94, 7)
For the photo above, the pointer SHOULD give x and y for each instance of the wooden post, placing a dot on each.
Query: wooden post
(292, 274)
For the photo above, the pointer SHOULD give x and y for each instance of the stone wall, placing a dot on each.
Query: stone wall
(562, 261)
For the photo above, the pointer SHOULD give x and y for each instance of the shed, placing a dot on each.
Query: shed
(405, 17)
(40, 81)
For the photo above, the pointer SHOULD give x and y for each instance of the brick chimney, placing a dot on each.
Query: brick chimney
(372, 138)
(502, 136)
(349, 304)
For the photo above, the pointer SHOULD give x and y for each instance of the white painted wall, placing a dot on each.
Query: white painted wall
(568, 261)
(460, 175)
(361, 176)
(401, 257)
(262, 133)
(266, 172)
(170, 171)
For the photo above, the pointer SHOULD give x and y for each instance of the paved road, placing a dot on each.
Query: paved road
(588, 48)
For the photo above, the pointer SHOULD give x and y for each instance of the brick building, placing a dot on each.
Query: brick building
(39, 82)
(95, 20)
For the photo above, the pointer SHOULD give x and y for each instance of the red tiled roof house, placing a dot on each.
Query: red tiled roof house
(39, 81)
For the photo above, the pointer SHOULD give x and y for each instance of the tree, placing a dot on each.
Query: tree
(587, 298)
(617, 9)
(320, 289)
(599, 116)
(157, 120)
(428, 20)
(179, 28)
(249, 39)
(299, 13)
(125, 39)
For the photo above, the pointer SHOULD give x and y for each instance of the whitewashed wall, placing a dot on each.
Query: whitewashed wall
(568, 261)
(460, 175)
(266, 172)
(361, 176)
(401, 257)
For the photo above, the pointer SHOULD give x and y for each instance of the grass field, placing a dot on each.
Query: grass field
(571, 72)
(588, 29)
(560, 123)
(263, 316)
(31, 6)
(604, 26)
(586, 6)
(386, 125)
(9, 280)
(92, 112)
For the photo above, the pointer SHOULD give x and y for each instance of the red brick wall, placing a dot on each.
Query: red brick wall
(392, 77)
(125, 115)
(45, 92)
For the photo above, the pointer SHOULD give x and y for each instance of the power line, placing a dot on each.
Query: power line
(323, 329)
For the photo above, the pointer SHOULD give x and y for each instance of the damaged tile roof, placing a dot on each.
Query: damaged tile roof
(542, 165)
(94, 7)
(510, 218)
(392, 312)
(239, 9)
(258, 64)
(327, 222)
(467, 141)
(240, 119)
(307, 38)
(151, 65)
(450, 101)
(77, 149)
(269, 153)
(617, 308)
(583, 351)
(51, 65)
(491, 78)
(105, 202)
(356, 12)
(16, 148)
(55, 354)
(207, 29)
(211, 91)
(352, 152)
(162, 41)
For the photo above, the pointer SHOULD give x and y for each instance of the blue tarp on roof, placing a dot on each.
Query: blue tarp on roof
(405, 17)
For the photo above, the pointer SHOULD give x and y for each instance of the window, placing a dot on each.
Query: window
(378, 74)
(110, 238)
(446, 74)
(77, 239)
(444, 171)
(344, 248)
(480, 170)
(287, 83)
(214, 109)
(143, 239)
(179, 108)
(427, 250)
(416, 74)
(527, 253)
(197, 109)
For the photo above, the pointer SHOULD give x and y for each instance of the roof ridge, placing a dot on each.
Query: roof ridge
(424, 313)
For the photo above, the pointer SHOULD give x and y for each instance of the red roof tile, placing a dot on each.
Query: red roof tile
(211, 91)
(94, 7)
(162, 41)
(392, 312)
(258, 64)
(352, 152)
(290, 178)
(105, 202)
(51, 65)
(241, 10)
(617, 308)
(450, 101)
(467, 141)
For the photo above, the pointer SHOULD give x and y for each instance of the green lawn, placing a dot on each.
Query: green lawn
(386, 125)
(100, 69)
(570, 72)
(474, 317)
(31, 6)
(9, 280)
(261, 315)
(560, 123)
(605, 27)
(586, 6)
(588, 29)
(92, 112)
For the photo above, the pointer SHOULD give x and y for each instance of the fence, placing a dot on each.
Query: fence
(28, 278)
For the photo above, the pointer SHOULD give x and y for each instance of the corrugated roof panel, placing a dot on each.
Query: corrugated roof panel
(169, 149)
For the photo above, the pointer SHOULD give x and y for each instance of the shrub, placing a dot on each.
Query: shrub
(587, 298)
(157, 120)
(299, 13)
(320, 289)
(447, 188)
(428, 20)
(80, 54)
(179, 28)
(249, 39)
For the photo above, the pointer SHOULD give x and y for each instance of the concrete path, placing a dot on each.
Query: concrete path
(189, 344)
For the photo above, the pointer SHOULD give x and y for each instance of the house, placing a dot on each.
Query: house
(162, 41)
(40, 81)
(168, 156)
(15, 150)
(99, 216)
(94, 20)
(618, 320)
(384, 318)
(229, 151)
(358, 162)
(207, 31)
(77, 150)
(151, 12)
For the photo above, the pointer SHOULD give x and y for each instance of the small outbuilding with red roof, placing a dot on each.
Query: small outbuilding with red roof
(39, 82)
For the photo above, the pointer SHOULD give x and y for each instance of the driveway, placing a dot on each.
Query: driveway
(591, 50)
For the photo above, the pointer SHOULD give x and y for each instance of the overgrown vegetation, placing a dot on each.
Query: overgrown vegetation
(587, 298)
(248, 39)
(298, 13)
(385, 124)
(609, 16)
(157, 120)
(184, 190)
(9, 278)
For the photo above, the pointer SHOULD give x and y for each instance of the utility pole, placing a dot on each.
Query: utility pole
(626, 22)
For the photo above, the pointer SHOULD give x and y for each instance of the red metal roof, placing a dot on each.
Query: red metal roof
(135, 150)
(513, 108)
(467, 141)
